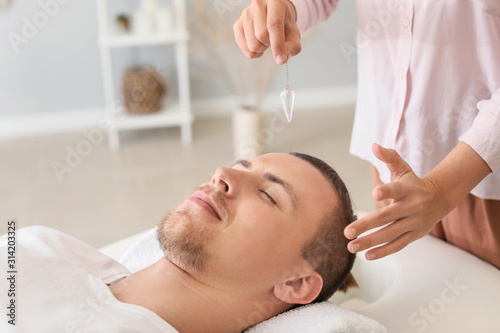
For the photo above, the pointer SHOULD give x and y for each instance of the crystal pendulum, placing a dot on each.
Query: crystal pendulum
(287, 97)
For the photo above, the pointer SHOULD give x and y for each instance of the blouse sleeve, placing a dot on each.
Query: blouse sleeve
(312, 12)
(484, 134)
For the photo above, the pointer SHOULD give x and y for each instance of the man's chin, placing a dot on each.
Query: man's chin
(183, 243)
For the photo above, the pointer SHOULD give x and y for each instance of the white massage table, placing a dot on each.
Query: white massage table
(430, 286)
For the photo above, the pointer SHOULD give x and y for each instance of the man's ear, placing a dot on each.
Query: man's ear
(301, 288)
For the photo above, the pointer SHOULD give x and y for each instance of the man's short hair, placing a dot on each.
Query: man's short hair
(327, 250)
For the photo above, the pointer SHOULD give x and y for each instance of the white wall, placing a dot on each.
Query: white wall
(57, 69)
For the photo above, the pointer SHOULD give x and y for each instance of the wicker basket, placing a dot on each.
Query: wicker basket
(143, 90)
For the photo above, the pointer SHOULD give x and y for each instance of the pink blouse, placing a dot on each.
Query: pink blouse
(428, 76)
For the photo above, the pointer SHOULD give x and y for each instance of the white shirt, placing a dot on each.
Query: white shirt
(61, 287)
(428, 76)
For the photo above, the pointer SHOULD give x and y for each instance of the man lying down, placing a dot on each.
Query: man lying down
(260, 238)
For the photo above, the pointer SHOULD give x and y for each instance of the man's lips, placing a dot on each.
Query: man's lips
(206, 202)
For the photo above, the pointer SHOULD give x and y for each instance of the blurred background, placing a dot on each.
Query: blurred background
(111, 111)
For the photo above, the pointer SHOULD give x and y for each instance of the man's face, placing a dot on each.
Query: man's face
(249, 224)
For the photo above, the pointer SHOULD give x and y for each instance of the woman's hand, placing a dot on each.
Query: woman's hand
(375, 183)
(417, 205)
(268, 23)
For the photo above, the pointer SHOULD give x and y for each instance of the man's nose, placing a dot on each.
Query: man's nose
(224, 180)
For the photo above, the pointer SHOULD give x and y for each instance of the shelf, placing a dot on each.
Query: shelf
(177, 110)
(171, 115)
(130, 40)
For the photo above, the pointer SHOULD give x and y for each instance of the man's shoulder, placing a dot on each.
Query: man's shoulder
(44, 244)
(37, 230)
(40, 236)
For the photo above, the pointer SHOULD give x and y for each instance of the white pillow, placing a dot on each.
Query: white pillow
(430, 286)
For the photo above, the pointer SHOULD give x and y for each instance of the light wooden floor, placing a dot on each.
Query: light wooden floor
(111, 195)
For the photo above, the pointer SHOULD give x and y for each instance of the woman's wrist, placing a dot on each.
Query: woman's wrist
(460, 171)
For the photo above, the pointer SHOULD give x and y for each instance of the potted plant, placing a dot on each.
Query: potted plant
(123, 22)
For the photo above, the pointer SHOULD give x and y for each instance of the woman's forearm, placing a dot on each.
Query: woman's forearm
(458, 174)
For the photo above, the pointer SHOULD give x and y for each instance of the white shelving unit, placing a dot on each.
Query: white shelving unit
(175, 113)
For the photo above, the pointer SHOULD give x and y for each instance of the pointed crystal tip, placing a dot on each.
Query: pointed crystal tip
(287, 98)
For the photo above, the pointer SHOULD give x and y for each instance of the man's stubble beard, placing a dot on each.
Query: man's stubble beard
(186, 242)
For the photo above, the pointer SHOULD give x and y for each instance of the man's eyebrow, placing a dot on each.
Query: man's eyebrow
(245, 163)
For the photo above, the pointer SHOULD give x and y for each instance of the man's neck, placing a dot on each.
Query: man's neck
(190, 305)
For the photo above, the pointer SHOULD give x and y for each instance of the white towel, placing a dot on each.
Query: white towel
(324, 317)
(143, 253)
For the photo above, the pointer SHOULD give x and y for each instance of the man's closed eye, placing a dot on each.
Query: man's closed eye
(269, 197)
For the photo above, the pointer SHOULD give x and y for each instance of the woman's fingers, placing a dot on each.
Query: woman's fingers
(376, 219)
(292, 40)
(390, 248)
(252, 43)
(395, 191)
(387, 234)
(260, 25)
(276, 15)
(396, 164)
(239, 36)
(266, 24)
